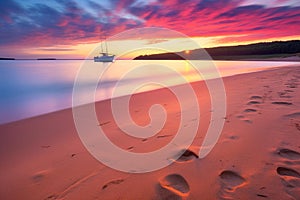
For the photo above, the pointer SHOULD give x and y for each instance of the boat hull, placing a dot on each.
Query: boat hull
(104, 58)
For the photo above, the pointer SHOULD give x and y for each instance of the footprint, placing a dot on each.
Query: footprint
(286, 97)
(39, 176)
(281, 93)
(289, 154)
(240, 116)
(293, 115)
(233, 137)
(290, 179)
(130, 148)
(282, 103)
(297, 126)
(289, 90)
(163, 136)
(249, 110)
(247, 121)
(262, 195)
(255, 97)
(164, 194)
(52, 196)
(103, 123)
(113, 182)
(291, 85)
(231, 179)
(283, 171)
(174, 186)
(188, 155)
(253, 103)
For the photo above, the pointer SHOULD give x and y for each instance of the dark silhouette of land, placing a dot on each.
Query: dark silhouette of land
(46, 59)
(257, 51)
(7, 58)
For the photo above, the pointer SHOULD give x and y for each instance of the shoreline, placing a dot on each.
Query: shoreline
(260, 70)
(279, 59)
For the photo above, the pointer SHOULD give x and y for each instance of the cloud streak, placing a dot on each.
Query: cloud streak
(77, 22)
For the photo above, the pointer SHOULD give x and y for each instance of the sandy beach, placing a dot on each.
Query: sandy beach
(256, 157)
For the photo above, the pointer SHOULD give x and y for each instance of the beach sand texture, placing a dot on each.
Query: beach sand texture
(256, 157)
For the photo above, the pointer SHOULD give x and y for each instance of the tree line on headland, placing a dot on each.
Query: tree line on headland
(257, 50)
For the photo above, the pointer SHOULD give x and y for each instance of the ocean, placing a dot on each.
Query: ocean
(34, 87)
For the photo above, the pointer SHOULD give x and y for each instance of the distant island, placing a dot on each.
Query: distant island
(7, 58)
(46, 59)
(277, 50)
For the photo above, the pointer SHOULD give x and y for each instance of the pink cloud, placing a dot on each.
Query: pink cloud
(44, 25)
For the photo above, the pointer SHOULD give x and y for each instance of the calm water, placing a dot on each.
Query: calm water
(30, 88)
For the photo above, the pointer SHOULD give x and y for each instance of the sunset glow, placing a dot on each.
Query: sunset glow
(71, 29)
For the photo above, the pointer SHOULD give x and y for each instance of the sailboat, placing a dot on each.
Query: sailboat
(104, 55)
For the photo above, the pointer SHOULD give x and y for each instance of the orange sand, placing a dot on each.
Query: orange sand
(256, 157)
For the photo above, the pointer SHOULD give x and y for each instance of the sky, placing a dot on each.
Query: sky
(73, 28)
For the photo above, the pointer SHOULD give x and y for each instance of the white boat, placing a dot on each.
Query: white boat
(104, 56)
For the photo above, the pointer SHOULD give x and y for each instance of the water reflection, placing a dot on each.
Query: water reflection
(30, 88)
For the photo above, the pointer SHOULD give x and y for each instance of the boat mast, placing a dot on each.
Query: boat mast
(105, 42)
(101, 47)
(106, 47)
